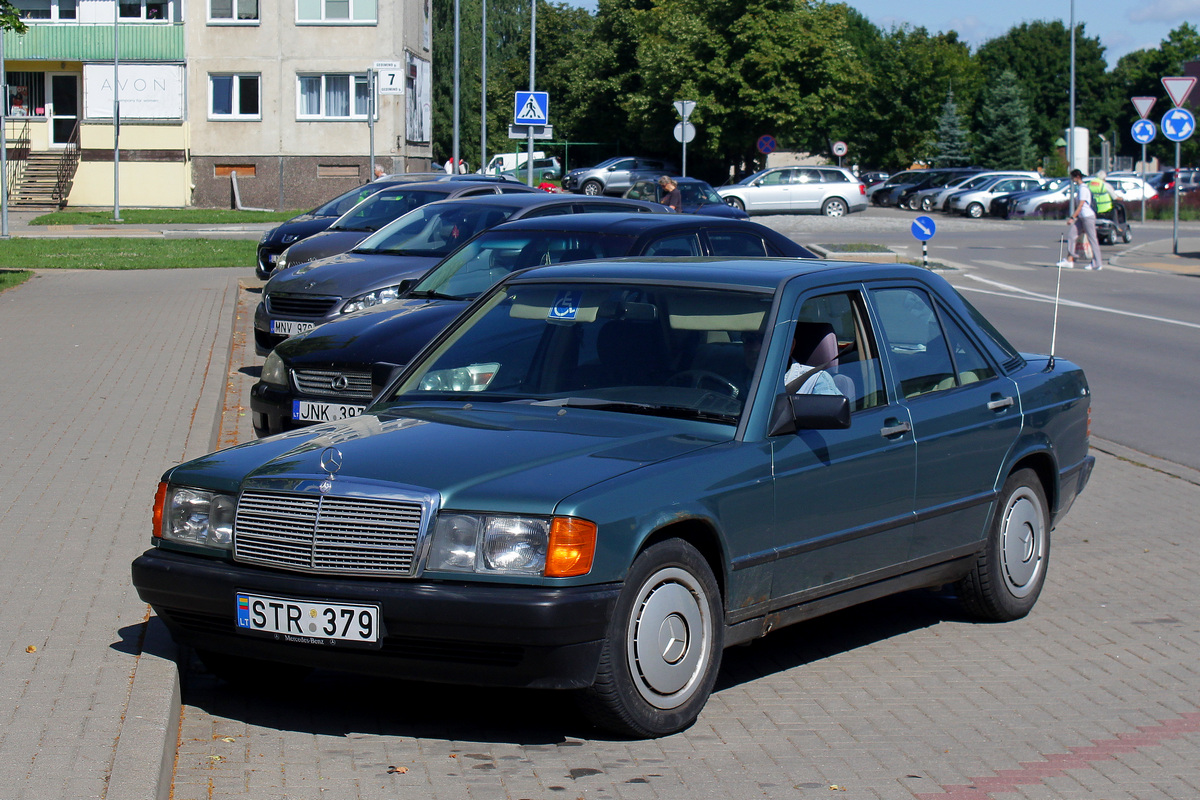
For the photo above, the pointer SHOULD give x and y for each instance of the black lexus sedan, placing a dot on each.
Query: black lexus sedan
(332, 371)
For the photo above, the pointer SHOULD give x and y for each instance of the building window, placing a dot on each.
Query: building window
(332, 12)
(53, 10)
(332, 97)
(233, 11)
(233, 97)
(151, 10)
(26, 94)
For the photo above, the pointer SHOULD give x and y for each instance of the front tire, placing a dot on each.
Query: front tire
(834, 207)
(592, 188)
(1127, 235)
(663, 647)
(975, 210)
(927, 203)
(736, 203)
(1010, 571)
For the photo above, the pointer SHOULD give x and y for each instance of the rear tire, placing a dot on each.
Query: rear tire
(1010, 571)
(834, 207)
(663, 647)
(1127, 235)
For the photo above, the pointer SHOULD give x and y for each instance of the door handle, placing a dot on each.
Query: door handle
(996, 405)
(888, 431)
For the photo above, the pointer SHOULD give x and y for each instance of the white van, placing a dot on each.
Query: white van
(503, 162)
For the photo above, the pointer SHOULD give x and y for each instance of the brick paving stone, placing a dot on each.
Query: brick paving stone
(102, 390)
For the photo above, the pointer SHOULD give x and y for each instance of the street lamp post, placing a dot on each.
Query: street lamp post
(116, 113)
(3, 142)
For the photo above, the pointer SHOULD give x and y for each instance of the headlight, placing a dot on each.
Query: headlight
(281, 262)
(504, 545)
(266, 237)
(288, 238)
(274, 371)
(375, 298)
(194, 516)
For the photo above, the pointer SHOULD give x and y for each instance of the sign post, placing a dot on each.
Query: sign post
(685, 131)
(923, 228)
(1178, 124)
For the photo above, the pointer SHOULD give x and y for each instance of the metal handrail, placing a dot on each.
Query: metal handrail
(19, 145)
(67, 165)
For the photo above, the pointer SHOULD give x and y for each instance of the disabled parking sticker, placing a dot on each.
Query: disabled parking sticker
(566, 305)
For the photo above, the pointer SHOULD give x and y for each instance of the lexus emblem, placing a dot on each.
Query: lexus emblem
(340, 383)
(331, 461)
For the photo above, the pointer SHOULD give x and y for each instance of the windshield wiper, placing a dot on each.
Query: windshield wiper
(432, 295)
(680, 412)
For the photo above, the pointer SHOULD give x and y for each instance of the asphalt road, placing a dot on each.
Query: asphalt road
(1135, 331)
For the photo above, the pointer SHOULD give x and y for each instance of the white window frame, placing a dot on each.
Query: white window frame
(235, 98)
(235, 19)
(170, 15)
(323, 116)
(325, 19)
(52, 10)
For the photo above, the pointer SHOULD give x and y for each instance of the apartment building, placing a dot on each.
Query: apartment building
(273, 96)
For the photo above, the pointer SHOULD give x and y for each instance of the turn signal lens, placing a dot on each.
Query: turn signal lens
(160, 498)
(572, 547)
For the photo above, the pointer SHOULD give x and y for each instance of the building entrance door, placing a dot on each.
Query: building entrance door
(64, 108)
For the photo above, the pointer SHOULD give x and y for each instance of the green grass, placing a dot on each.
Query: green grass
(13, 277)
(120, 253)
(162, 216)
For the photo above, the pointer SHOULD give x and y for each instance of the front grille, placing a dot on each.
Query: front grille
(322, 382)
(344, 535)
(303, 305)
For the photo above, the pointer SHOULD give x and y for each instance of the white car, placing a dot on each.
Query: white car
(1130, 189)
(974, 202)
(942, 198)
(831, 191)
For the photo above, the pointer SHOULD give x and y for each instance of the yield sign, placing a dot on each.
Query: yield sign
(1178, 88)
(1143, 105)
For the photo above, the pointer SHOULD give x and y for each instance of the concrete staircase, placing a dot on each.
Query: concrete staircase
(45, 181)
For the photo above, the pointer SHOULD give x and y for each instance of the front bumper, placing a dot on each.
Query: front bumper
(481, 634)
(272, 407)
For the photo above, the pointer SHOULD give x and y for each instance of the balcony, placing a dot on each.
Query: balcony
(71, 41)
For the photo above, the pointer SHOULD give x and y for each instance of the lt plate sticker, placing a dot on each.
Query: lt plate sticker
(566, 305)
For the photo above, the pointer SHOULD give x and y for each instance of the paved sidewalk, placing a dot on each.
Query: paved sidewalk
(109, 378)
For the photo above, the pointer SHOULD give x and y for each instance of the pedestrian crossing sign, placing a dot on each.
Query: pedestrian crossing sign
(532, 108)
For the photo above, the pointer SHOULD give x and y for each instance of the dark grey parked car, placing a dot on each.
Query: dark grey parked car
(298, 299)
(616, 175)
(386, 205)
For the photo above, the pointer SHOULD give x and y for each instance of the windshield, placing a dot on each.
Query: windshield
(436, 229)
(345, 201)
(623, 347)
(912, 176)
(476, 267)
(381, 208)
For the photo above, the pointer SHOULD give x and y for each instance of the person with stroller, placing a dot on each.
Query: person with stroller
(1082, 222)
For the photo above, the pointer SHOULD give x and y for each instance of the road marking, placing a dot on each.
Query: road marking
(1017, 292)
(1005, 265)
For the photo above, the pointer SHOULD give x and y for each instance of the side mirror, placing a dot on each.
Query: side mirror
(382, 374)
(798, 412)
(407, 284)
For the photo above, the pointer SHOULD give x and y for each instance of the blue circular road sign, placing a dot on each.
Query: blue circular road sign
(924, 228)
(1143, 131)
(766, 144)
(1178, 124)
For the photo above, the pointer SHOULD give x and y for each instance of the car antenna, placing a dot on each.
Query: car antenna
(1062, 240)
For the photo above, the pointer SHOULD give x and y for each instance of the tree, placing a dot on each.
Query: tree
(952, 148)
(10, 18)
(1139, 74)
(1039, 56)
(1003, 132)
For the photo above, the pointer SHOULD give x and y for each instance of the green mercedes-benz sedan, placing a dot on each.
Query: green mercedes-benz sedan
(604, 473)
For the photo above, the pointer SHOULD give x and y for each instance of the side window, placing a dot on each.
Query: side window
(677, 245)
(775, 178)
(737, 243)
(916, 346)
(835, 330)
(477, 192)
(806, 176)
(969, 362)
(627, 163)
(512, 190)
(549, 211)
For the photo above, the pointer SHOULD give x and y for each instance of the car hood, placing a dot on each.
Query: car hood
(715, 210)
(324, 244)
(300, 227)
(498, 457)
(391, 334)
(349, 273)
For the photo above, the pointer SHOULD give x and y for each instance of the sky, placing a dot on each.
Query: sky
(1122, 25)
